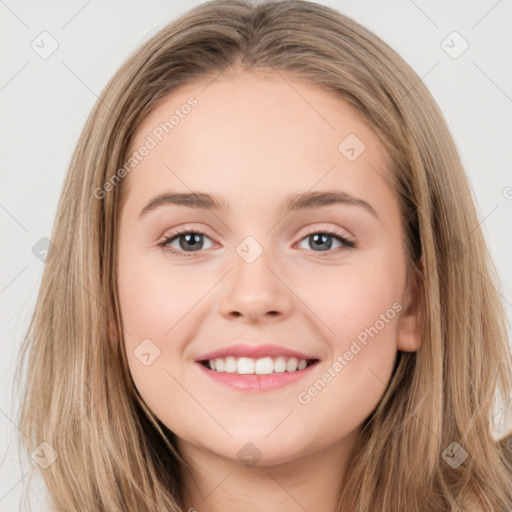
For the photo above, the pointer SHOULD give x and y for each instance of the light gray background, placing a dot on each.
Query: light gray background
(45, 103)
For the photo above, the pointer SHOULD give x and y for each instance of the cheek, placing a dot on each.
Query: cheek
(349, 299)
(361, 307)
(153, 299)
(160, 307)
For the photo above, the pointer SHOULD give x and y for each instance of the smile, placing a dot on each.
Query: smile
(261, 366)
(255, 368)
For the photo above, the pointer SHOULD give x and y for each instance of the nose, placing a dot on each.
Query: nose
(256, 291)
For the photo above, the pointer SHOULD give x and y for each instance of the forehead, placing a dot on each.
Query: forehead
(256, 132)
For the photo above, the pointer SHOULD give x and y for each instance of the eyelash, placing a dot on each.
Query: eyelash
(347, 244)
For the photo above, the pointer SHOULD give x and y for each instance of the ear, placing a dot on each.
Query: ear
(410, 325)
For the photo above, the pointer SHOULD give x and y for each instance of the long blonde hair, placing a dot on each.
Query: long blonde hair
(113, 454)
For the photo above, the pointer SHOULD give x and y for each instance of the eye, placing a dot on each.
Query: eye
(188, 242)
(323, 240)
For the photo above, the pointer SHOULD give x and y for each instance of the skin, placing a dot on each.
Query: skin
(253, 139)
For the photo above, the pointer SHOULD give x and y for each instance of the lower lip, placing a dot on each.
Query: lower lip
(255, 382)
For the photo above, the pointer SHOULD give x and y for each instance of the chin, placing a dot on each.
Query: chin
(262, 451)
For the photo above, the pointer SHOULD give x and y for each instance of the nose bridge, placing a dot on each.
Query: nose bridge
(254, 289)
(252, 263)
(251, 249)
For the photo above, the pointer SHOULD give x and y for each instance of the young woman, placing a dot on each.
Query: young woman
(268, 288)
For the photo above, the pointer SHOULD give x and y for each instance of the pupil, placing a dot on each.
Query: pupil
(321, 239)
(190, 240)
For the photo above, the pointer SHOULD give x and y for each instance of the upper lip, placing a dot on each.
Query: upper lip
(253, 351)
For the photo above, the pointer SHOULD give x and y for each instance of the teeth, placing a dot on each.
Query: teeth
(245, 366)
(302, 364)
(292, 364)
(230, 366)
(262, 366)
(280, 365)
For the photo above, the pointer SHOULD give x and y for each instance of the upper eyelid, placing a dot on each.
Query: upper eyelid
(204, 230)
(170, 234)
(185, 230)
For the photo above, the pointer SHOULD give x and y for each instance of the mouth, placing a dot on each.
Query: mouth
(255, 368)
(267, 375)
(260, 366)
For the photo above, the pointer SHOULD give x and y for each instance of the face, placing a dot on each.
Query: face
(272, 272)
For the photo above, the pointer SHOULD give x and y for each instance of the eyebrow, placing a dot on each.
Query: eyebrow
(294, 202)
